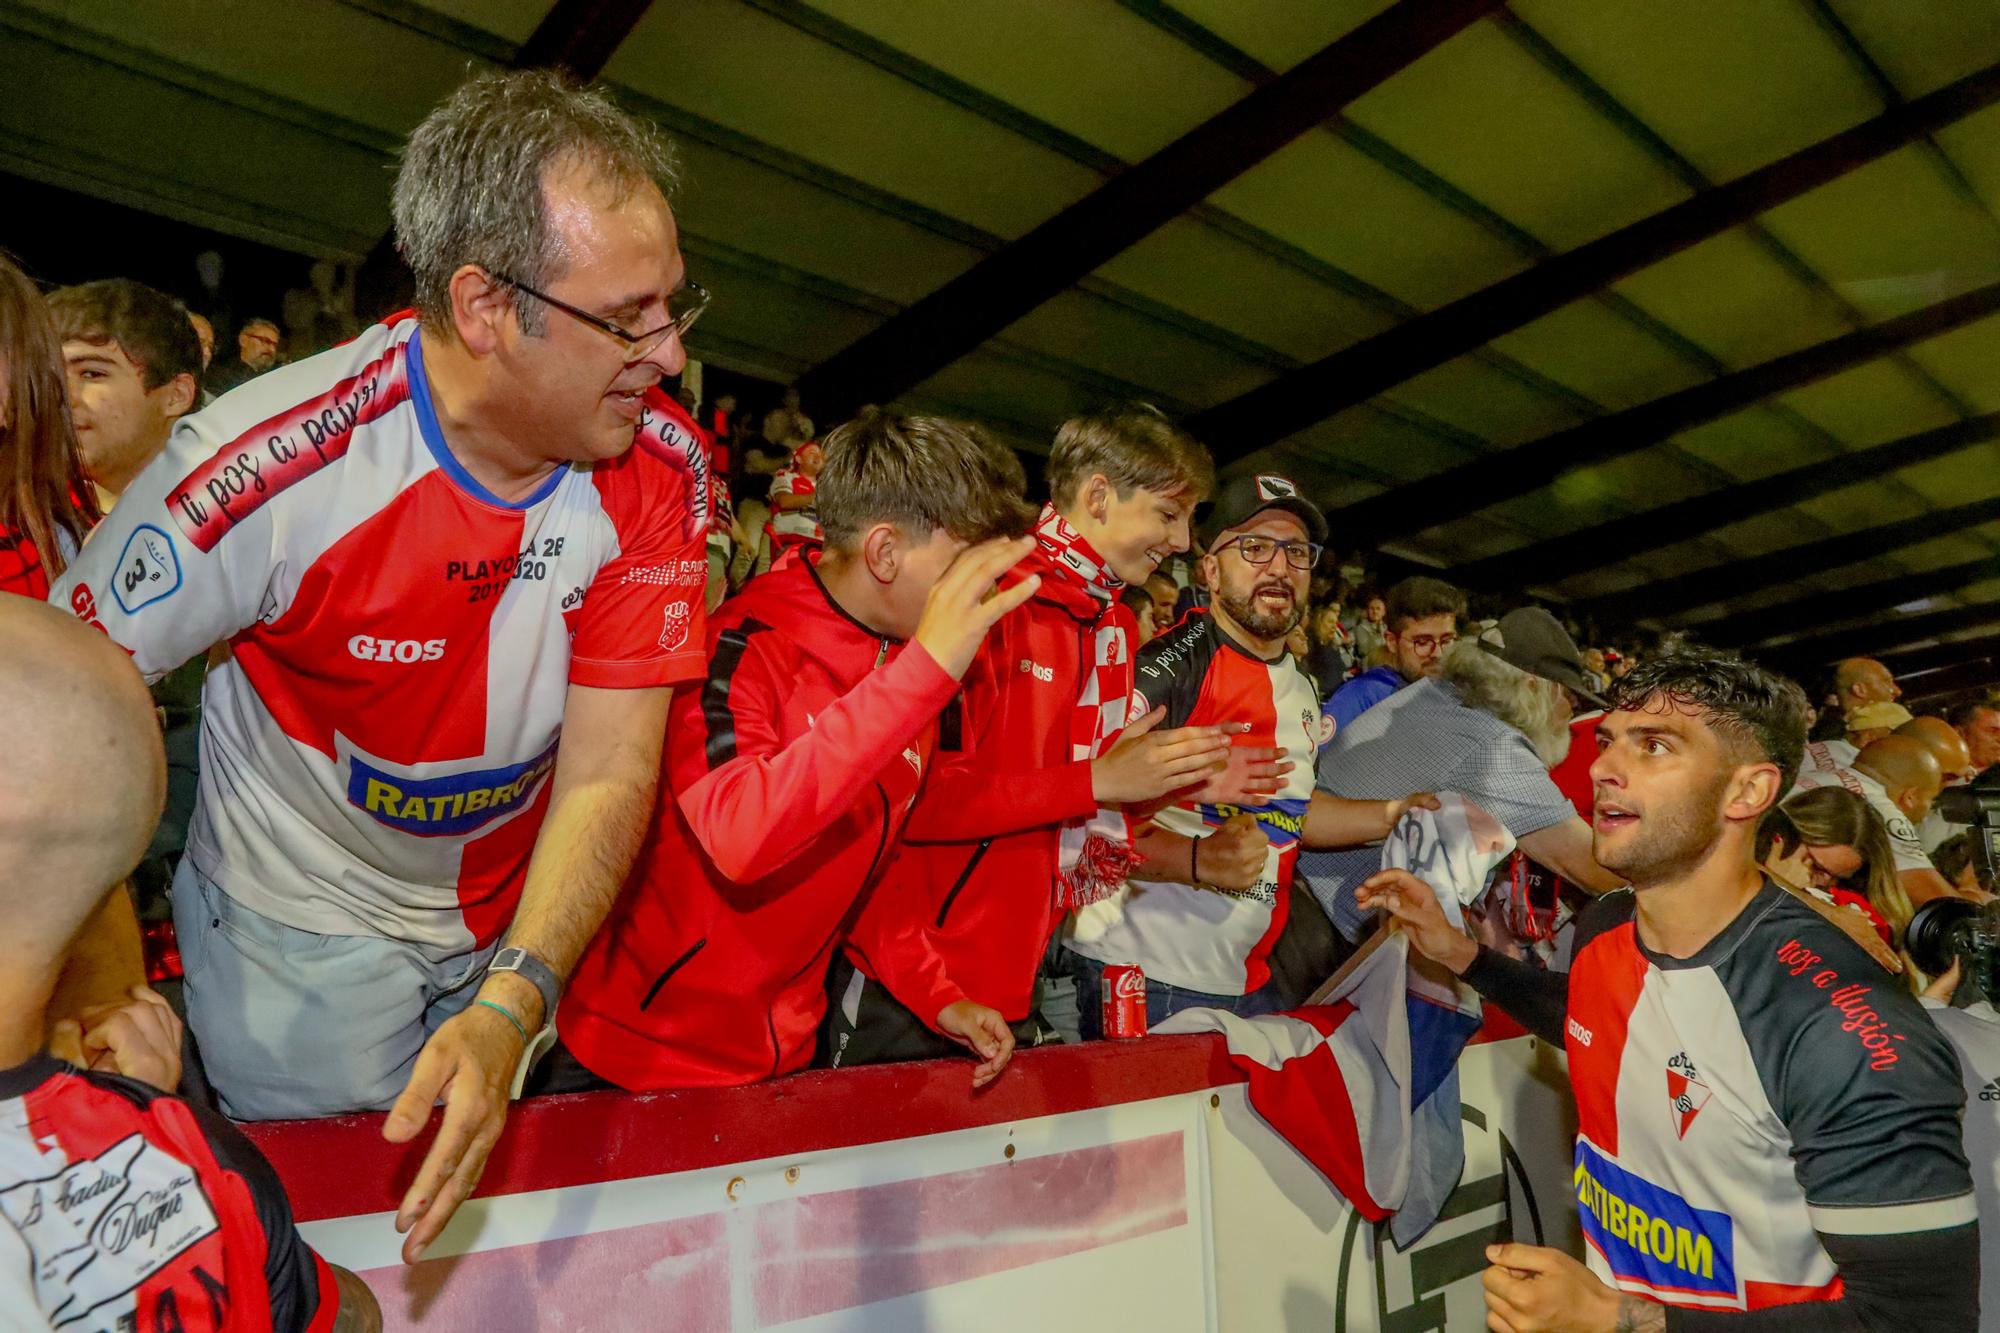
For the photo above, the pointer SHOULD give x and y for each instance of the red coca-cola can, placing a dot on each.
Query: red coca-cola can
(1124, 988)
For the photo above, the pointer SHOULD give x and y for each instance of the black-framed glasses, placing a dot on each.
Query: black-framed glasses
(691, 298)
(1259, 550)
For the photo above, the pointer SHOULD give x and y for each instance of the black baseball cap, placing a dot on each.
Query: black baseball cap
(1535, 641)
(1248, 496)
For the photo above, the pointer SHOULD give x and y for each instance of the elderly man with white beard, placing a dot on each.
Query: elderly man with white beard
(1489, 728)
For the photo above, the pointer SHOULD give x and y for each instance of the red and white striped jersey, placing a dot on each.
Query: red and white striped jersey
(376, 746)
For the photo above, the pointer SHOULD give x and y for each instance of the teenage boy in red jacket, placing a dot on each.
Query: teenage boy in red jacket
(1038, 802)
(793, 768)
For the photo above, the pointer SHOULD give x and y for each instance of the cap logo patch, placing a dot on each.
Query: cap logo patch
(1275, 488)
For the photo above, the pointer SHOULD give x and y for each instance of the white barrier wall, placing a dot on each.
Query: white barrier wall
(1146, 1195)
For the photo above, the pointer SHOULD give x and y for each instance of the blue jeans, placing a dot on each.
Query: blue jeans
(291, 1024)
(1162, 999)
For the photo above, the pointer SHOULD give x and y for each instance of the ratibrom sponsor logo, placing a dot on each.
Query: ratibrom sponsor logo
(1579, 1031)
(446, 805)
(1037, 670)
(369, 649)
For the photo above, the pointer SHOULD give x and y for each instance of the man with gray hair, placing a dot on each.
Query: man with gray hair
(1489, 727)
(436, 553)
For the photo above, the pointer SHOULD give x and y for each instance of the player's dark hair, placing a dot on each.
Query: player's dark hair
(1420, 598)
(921, 474)
(150, 327)
(1758, 713)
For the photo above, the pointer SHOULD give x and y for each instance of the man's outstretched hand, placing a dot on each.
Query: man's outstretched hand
(469, 1061)
(1415, 904)
(983, 1032)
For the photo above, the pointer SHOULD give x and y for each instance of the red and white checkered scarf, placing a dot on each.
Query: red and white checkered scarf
(1097, 855)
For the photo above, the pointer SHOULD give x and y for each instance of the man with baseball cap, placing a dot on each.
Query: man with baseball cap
(1489, 727)
(1212, 893)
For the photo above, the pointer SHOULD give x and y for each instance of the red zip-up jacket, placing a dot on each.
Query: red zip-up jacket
(980, 852)
(792, 769)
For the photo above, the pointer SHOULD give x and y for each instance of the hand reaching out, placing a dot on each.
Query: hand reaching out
(983, 1032)
(1146, 764)
(1414, 903)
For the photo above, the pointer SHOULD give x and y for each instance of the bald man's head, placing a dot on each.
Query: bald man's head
(1943, 741)
(1863, 680)
(84, 779)
(1907, 770)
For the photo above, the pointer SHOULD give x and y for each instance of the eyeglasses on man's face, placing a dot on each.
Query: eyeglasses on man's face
(684, 307)
(1427, 644)
(1260, 550)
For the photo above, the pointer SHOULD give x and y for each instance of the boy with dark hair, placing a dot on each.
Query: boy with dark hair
(793, 769)
(134, 365)
(1043, 788)
(1801, 1166)
(1422, 621)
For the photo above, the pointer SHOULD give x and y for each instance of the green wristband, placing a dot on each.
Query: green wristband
(508, 1015)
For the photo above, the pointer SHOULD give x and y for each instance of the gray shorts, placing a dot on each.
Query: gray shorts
(292, 1024)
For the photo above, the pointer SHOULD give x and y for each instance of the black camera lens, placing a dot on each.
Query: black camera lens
(1933, 936)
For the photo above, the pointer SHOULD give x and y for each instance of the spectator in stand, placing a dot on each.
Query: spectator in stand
(81, 1144)
(1861, 725)
(499, 479)
(1371, 629)
(1863, 680)
(1164, 592)
(1620, 663)
(1831, 842)
(1139, 601)
(1489, 726)
(1195, 593)
(1419, 622)
(46, 503)
(1039, 806)
(794, 518)
(1594, 670)
(786, 426)
(134, 370)
(1954, 758)
(721, 425)
(204, 333)
(256, 352)
(1202, 910)
(1834, 1177)
(1978, 721)
(1330, 656)
(1899, 777)
(794, 768)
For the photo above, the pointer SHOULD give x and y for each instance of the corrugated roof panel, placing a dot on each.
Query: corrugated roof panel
(1872, 403)
(1730, 297)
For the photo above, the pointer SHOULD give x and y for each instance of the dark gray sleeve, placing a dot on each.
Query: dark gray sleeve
(1534, 997)
(1890, 1284)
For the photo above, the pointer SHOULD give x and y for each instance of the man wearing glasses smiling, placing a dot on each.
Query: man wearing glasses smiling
(1211, 896)
(435, 552)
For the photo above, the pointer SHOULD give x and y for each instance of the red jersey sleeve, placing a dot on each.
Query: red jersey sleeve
(643, 616)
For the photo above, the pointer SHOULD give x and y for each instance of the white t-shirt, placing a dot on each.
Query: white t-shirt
(1903, 840)
(1974, 1033)
(1826, 756)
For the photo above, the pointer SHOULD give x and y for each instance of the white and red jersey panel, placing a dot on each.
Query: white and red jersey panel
(796, 524)
(1736, 1105)
(1207, 939)
(377, 744)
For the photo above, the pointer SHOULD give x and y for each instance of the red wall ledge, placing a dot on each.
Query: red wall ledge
(342, 1166)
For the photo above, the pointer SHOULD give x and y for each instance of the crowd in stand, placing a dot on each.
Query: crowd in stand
(863, 757)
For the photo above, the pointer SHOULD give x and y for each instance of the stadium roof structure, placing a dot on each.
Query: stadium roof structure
(1614, 303)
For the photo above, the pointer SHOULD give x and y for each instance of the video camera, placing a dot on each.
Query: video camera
(1945, 929)
(1978, 806)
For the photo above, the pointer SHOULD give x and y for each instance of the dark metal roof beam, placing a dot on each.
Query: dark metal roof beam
(1671, 524)
(1666, 597)
(1892, 632)
(1130, 206)
(1358, 372)
(1905, 664)
(1830, 608)
(1970, 677)
(580, 35)
(1511, 473)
